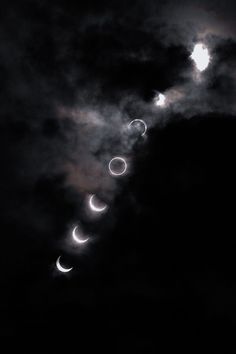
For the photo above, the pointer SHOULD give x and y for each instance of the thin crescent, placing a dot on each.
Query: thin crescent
(117, 173)
(76, 238)
(94, 207)
(60, 268)
(140, 121)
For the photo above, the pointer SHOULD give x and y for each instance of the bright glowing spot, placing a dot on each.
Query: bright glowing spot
(117, 166)
(60, 268)
(200, 56)
(77, 238)
(137, 123)
(160, 100)
(98, 208)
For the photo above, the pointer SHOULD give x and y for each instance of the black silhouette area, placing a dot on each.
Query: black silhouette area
(176, 238)
(164, 276)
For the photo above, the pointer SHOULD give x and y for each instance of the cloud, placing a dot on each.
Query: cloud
(68, 96)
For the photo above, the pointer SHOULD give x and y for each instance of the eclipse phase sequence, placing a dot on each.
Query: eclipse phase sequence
(118, 165)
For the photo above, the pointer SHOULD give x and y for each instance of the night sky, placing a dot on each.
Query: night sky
(158, 274)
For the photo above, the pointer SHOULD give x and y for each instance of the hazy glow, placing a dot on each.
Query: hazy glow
(60, 268)
(117, 172)
(200, 56)
(94, 207)
(139, 122)
(160, 100)
(76, 238)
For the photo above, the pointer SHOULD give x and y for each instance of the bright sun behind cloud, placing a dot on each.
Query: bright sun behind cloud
(200, 56)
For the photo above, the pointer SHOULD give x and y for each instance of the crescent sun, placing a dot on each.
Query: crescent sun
(94, 207)
(60, 268)
(76, 238)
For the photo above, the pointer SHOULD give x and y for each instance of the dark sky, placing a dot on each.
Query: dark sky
(159, 270)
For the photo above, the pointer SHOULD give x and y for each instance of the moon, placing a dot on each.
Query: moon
(139, 121)
(60, 268)
(77, 238)
(122, 170)
(94, 207)
(200, 56)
